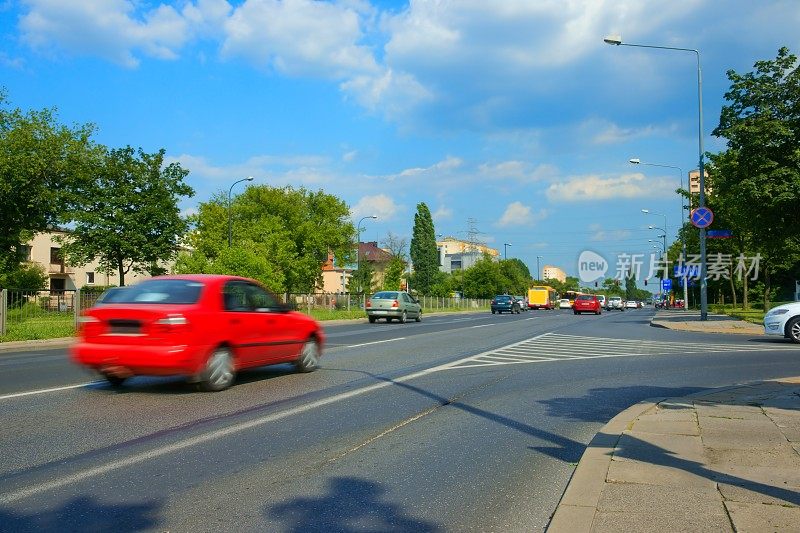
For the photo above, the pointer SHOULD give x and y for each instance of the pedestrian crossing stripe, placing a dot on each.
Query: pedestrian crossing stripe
(562, 347)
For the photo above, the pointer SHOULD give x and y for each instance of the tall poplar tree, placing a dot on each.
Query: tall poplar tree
(424, 255)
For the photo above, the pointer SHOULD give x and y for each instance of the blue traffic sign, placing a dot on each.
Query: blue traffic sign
(702, 217)
(666, 284)
(690, 271)
(719, 234)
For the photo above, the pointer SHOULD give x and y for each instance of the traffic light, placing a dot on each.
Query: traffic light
(595, 284)
(645, 283)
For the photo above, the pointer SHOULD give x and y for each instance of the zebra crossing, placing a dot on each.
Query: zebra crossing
(561, 347)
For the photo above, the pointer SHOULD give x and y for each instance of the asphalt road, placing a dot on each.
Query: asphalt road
(458, 423)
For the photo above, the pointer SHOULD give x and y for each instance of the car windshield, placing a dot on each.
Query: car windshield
(502, 298)
(385, 296)
(158, 291)
(584, 297)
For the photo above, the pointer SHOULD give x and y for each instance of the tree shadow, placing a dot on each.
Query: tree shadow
(635, 449)
(351, 504)
(602, 404)
(87, 515)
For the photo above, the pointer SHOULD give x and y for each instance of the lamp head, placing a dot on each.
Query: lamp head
(634, 161)
(645, 211)
(650, 227)
(249, 178)
(613, 39)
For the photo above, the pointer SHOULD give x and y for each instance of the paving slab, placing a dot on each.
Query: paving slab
(721, 460)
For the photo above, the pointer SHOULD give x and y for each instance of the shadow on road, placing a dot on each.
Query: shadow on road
(85, 514)
(602, 404)
(351, 504)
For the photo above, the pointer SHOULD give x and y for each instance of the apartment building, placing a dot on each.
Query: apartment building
(455, 254)
(553, 272)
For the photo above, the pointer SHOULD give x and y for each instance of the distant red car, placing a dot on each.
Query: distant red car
(587, 303)
(205, 327)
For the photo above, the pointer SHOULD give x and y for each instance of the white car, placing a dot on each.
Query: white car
(784, 320)
(615, 302)
(564, 304)
(603, 301)
(631, 304)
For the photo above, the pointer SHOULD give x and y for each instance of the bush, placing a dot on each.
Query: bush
(95, 289)
(26, 277)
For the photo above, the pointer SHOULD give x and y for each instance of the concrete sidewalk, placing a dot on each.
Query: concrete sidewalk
(690, 321)
(722, 460)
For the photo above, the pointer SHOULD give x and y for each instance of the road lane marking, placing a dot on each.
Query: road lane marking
(11, 497)
(45, 391)
(482, 326)
(371, 343)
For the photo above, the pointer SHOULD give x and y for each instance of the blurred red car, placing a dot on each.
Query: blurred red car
(205, 327)
(587, 303)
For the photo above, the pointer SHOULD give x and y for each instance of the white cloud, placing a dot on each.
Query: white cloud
(519, 171)
(441, 167)
(601, 235)
(589, 188)
(350, 156)
(381, 205)
(113, 29)
(300, 37)
(518, 214)
(277, 171)
(442, 214)
(602, 132)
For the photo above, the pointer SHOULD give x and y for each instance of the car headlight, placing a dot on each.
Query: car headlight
(776, 312)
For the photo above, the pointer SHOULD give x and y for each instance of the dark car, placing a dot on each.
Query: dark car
(587, 303)
(503, 303)
(205, 327)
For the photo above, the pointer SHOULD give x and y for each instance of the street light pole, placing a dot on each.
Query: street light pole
(358, 248)
(230, 221)
(684, 279)
(538, 271)
(617, 41)
(505, 250)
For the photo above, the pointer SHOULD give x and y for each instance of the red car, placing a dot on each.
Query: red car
(205, 327)
(587, 303)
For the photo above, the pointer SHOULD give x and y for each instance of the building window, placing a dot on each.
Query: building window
(55, 256)
(90, 278)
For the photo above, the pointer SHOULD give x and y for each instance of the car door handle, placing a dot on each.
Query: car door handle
(234, 321)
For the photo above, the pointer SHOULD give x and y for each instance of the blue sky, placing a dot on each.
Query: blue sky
(511, 112)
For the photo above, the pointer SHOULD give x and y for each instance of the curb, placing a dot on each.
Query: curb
(33, 345)
(576, 508)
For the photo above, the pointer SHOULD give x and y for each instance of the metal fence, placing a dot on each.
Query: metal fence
(51, 312)
(347, 301)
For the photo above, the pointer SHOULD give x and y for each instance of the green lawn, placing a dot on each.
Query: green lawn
(33, 323)
(756, 316)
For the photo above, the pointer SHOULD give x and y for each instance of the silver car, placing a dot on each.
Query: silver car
(393, 305)
(615, 302)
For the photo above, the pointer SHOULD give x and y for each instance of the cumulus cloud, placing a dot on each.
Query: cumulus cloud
(519, 171)
(300, 37)
(117, 29)
(519, 214)
(444, 166)
(381, 205)
(589, 188)
(601, 132)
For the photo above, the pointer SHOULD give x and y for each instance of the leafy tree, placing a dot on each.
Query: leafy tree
(393, 276)
(41, 161)
(424, 254)
(128, 216)
(516, 276)
(630, 288)
(483, 279)
(26, 277)
(362, 278)
(759, 173)
(291, 230)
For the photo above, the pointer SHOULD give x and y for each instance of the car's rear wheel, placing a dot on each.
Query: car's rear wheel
(114, 381)
(371, 319)
(219, 372)
(403, 317)
(309, 357)
(493, 311)
(793, 330)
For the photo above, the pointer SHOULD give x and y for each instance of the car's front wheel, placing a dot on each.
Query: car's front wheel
(309, 357)
(793, 329)
(371, 319)
(114, 381)
(219, 372)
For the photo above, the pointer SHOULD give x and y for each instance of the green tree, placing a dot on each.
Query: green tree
(393, 276)
(362, 278)
(483, 279)
(291, 230)
(424, 254)
(516, 277)
(41, 163)
(759, 174)
(128, 216)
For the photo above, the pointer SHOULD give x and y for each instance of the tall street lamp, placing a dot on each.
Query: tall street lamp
(538, 271)
(617, 41)
(636, 161)
(505, 249)
(230, 221)
(664, 229)
(358, 247)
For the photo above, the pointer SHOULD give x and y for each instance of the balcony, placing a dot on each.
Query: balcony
(60, 268)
